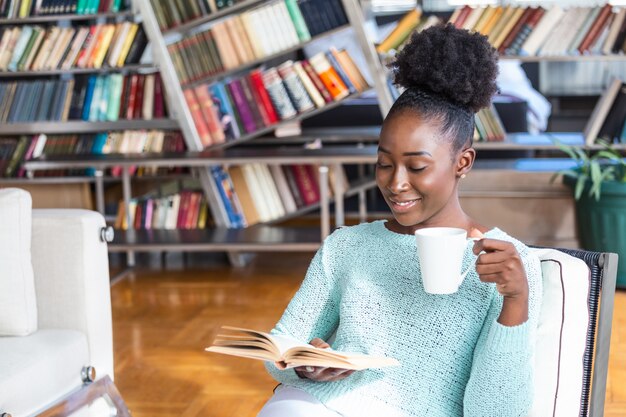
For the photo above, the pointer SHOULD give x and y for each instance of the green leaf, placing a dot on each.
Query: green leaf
(609, 155)
(580, 186)
(564, 172)
(569, 151)
(596, 172)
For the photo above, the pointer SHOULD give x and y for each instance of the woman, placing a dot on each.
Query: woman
(465, 354)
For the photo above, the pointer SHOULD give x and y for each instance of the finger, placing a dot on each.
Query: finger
(317, 374)
(332, 374)
(475, 234)
(489, 269)
(491, 245)
(342, 375)
(493, 278)
(497, 257)
(319, 343)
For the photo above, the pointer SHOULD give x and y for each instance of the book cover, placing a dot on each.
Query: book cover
(542, 30)
(341, 72)
(282, 187)
(261, 94)
(329, 76)
(298, 20)
(526, 30)
(245, 195)
(147, 109)
(241, 105)
(255, 186)
(225, 112)
(316, 81)
(198, 118)
(305, 184)
(278, 94)
(293, 186)
(269, 191)
(138, 105)
(402, 30)
(297, 93)
(510, 29)
(459, 16)
(600, 111)
(228, 196)
(612, 127)
(311, 90)
(137, 47)
(129, 37)
(210, 113)
(159, 98)
(616, 25)
(256, 109)
(595, 28)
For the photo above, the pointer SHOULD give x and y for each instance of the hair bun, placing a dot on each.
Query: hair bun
(459, 66)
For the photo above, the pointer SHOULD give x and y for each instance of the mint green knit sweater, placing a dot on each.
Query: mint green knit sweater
(456, 360)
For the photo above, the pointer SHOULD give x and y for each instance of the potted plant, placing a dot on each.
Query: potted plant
(598, 182)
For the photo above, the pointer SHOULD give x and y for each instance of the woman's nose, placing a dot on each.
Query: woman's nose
(398, 182)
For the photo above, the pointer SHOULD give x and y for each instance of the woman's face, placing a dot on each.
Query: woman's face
(417, 173)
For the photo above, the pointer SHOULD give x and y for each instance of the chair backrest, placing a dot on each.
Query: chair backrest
(573, 341)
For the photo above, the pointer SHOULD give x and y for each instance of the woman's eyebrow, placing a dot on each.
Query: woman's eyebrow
(417, 153)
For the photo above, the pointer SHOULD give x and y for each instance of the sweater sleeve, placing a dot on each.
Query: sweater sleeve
(313, 311)
(501, 379)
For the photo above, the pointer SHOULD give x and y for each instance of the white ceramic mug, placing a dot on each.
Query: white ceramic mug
(440, 251)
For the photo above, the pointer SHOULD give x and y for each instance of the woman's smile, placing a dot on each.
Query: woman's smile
(403, 205)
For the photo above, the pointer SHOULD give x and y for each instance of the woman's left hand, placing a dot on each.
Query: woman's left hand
(501, 264)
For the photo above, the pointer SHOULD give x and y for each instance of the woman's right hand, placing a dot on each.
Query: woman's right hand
(321, 374)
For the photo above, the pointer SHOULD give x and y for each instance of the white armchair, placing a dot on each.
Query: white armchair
(51, 335)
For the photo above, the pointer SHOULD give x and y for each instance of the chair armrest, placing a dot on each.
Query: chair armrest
(70, 265)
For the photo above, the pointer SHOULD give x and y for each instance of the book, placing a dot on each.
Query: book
(600, 111)
(402, 30)
(288, 352)
(329, 76)
(612, 126)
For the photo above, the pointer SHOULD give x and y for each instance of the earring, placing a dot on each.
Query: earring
(463, 176)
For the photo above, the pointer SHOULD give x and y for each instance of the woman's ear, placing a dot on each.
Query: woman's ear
(465, 162)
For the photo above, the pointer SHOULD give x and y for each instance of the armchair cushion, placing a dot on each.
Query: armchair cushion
(561, 335)
(40, 368)
(18, 305)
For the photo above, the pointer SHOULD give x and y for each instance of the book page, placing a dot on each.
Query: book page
(290, 352)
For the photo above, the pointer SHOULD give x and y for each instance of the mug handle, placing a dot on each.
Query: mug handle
(469, 268)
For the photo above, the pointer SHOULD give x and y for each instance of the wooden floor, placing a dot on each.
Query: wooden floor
(164, 319)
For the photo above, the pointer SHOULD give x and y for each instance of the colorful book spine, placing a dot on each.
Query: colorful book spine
(225, 112)
(295, 88)
(278, 94)
(329, 76)
(241, 105)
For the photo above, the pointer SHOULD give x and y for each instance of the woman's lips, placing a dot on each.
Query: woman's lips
(401, 206)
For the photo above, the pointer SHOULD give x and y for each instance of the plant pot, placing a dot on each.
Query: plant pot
(602, 223)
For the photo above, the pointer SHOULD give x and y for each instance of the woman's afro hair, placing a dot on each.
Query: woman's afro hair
(459, 66)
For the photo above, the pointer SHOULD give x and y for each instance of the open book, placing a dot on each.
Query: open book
(288, 352)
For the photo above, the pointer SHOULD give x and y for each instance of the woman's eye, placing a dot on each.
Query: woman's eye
(416, 169)
(382, 165)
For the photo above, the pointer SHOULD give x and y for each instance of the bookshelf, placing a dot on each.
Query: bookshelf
(259, 237)
(118, 53)
(264, 237)
(271, 57)
(84, 126)
(104, 70)
(160, 38)
(67, 18)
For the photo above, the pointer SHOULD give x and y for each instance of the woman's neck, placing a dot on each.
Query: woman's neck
(460, 220)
